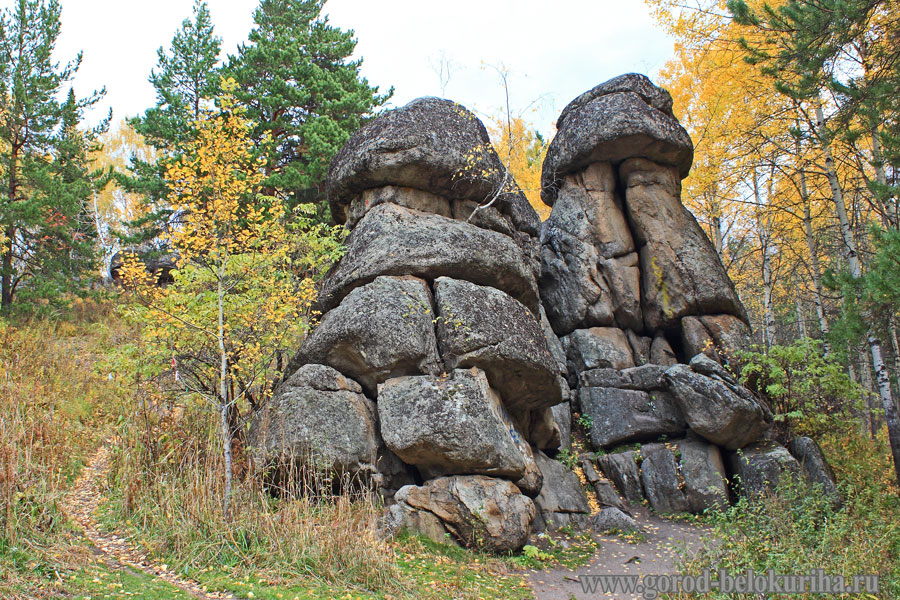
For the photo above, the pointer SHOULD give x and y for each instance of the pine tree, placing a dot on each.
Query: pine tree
(302, 90)
(186, 74)
(36, 222)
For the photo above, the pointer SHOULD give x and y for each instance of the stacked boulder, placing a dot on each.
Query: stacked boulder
(459, 333)
(430, 374)
(641, 303)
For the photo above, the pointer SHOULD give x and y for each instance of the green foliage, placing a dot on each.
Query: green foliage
(798, 528)
(568, 458)
(185, 77)
(46, 231)
(303, 91)
(810, 393)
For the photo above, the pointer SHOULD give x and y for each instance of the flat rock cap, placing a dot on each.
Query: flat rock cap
(430, 144)
(626, 117)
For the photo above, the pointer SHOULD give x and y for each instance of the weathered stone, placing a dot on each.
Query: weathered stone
(607, 496)
(620, 416)
(562, 416)
(703, 471)
(681, 274)
(379, 331)
(604, 378)
(621, 468)
(573, 290)
(610, 519)
(430, 144)
(400, 515)
(589, 209)
(656, 97)
(597, 348)
(647, 378)
(553, 344)
(730, 334)
(538, 427)
(317, 419)
(478, 512)
(704, 365)
(392, 240)
(449, 426)
(623, 280)
(612, 127)
(484, 327)
(695, 339)
(714, 410)
(661, 352)
(758, 468)
(814, 464)
(660, 479)
(683, 476)
(562, 494)
(640, 347)
(407, 197)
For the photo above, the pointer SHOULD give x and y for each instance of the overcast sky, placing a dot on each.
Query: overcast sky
(553, 50)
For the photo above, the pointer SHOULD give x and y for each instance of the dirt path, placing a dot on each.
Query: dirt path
(656, 555)
(80, 505)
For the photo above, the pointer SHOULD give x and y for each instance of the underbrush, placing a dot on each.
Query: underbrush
(798, 529)
(55, 407)
(167, 489)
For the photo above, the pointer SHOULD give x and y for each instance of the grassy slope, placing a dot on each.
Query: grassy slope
(67, 384)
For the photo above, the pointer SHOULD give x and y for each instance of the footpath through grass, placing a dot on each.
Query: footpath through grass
(69, 382)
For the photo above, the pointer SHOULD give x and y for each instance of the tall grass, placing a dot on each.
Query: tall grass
(798, 528)
(54, 409)
(168, 481)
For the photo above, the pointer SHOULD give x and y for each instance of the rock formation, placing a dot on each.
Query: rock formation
(434, 321)
(459, 333)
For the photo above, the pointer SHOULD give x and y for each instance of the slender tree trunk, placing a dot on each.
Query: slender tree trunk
(762, 226)
(884, 384)
(6, 269)
(223, 394)
(870, 393)
(801, 322)
(818, 297)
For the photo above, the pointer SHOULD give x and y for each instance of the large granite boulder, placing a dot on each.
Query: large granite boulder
(622, 469)
(317, 420)
(450, 426)
(724, 414)
(621, 415)
(379, 331)
(684, 476)
(392, 240)
(476, 512)
(681, 273)
(612, 123)
(815, 466)
(485, 327)
(432, 145)
(759, 468)
(597, 348)
(562, 500)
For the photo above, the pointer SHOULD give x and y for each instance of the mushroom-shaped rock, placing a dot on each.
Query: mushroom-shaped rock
(450, 426)
(616, 121)
(379, 331)
(479, 326)
(477, 512)
(433, 145)
(392, 240)
(317, 419)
